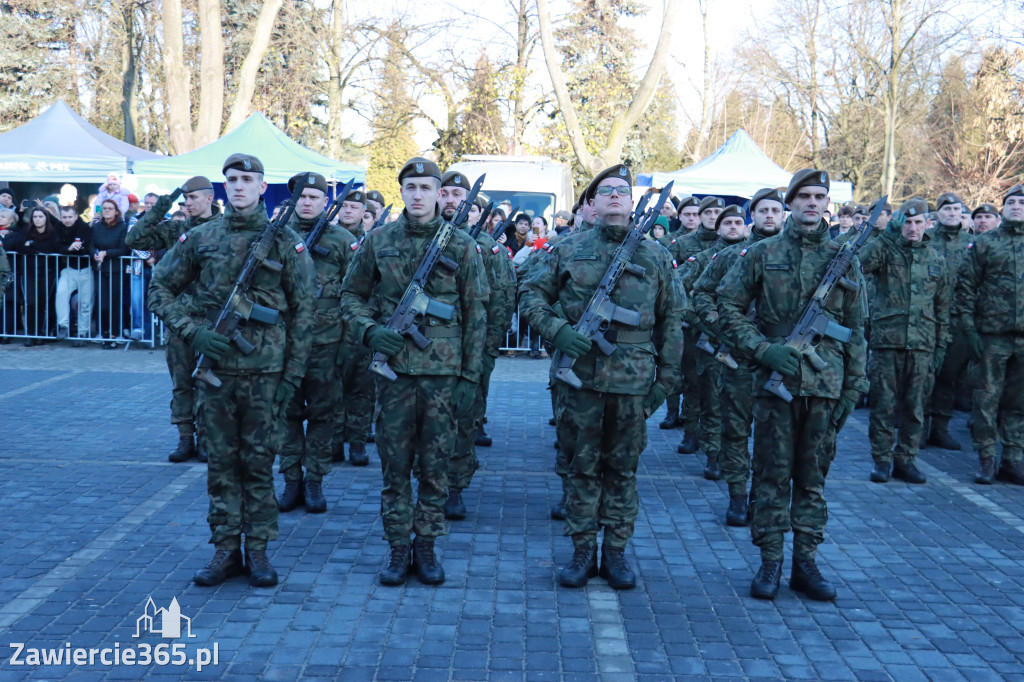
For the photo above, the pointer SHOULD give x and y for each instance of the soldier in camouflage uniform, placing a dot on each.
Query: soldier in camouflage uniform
(603, 424)
(319, 398)
(356, 416)
(689, 219)
(985, 218)
(736, 386)
(950, 239)
(909, 331)
(151, 233)
(501, 280)
(241, 419)
(436, 386)
(988, 310)
(794, 443)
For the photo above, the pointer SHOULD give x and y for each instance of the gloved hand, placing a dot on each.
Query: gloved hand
(164, 203)
(209, 343)
(895, 226)
(488, 364)
(844, 407)
(571, 342)
(782, 358)
(384, 340)
(975, 348)
(284, 394)
(654, 398)
(463, 397)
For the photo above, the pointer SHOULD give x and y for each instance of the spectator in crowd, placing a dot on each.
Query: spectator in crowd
(108, 246)
(41, 238)
(140, 272)
(8, 221)
(540, 227)
(112, 190)
(75, 275)
(7, 198)
(134, 208)
(845, 217)
(516, 234)
(660, 227)
(562, 219)
(52, 206)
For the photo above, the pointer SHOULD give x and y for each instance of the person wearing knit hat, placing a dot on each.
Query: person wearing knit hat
(794, 441)
(985, 217)
(6, 197)
(910, 324)
(987, 306)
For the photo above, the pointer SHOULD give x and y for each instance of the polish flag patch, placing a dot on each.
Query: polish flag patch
(743, 253)
(300, 247)
(182, 238)
(478, 249)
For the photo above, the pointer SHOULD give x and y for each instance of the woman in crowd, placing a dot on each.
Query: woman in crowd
(42, 238)
(107, 248)
(10, 238)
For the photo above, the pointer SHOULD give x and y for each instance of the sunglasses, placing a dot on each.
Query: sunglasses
(621, 190)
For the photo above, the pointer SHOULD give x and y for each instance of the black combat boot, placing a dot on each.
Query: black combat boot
(580, 568)
(1011, 471)
(939, 436)
(396, 569)
(766, 583)
(357, 454)
(615, 570)
(738, 513)
(292, 495)
(689, 444)
(482, 439)
(225, 564)
(428, 568)
(454, 508)
(907, 471)
(880, 474)
(712, 471)
(316, 503)
(807, 578)
(185, 451)
(558, 511)
(257, 565)
(986, 471)
(671, 419)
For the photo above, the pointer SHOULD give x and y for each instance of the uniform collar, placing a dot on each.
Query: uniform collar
(429, 227)
(253, 220)
(1012, 227)
(817, 236)
(613, 233)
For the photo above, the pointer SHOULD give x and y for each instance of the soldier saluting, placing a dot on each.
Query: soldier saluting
(794, 441)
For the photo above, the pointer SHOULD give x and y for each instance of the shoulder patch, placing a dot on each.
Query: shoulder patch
(672, 242)
(496, 248)
(183, 237)
(477, 248)
(691, 259)
(969, 246)
(674, 263)
(549, 247)
(714, 255)
(743, 253)
(355, 245)
(300, 247)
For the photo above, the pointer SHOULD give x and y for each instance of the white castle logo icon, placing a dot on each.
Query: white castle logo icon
(169, 621)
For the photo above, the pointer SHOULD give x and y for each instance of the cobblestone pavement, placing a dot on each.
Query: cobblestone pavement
(95, 521)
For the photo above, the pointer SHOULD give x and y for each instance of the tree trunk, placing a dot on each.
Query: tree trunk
(176, 79)
(253, 59)
(706, 101)
(211, 73)
(522, 57)
(128, 72)
(336, 59)
(892, 96)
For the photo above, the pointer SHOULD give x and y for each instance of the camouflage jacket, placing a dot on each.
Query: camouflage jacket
(212, 256)
(910, 308)
(378, 277)
(689, 273)
(669, 237)
(990, 288)
(951, 242)
(704, 301)
(330, 270)
(690, 244)
(501, 279)
(153, 232)
(779, 275)
(573, 269)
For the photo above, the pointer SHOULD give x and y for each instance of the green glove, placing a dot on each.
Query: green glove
(782, 358)
(207, 342)
(571, 342)
(164, 203)
(384, 340)
(284, 394)
(463, 397)
(895, 226)
(654, 398)
(844, 408)
(488, 364)
(975, 348)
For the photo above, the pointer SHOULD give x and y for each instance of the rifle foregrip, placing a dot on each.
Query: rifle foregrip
(775, 386)
(272, 265)
(380, 366)
(727, 359)
(321, 250)
(447, 263)
(566, 375)
(204, 373)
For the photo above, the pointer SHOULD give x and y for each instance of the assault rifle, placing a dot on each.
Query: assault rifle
(239, 307)
(415, 303)
(377, 223)
(814, 324)
(474, 231)
(509, 220)
(601, 311)
(312, 242)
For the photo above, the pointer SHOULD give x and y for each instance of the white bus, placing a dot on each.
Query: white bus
(536, 184)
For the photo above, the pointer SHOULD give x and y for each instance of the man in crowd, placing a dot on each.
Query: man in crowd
(794, 442)
(435, 386)
(152, 233)
(604, 422)
(241, 419)
(562, 219)
(75, 275)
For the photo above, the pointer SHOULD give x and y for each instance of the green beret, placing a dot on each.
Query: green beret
(455, 179)
(358, 196)
(862, 209)
(914, 207)
(196, 184)
(418, 167)
(985, 208)
(687, 201)
(371, 209)
(1015, 191)
(731, 211)
(769, 193)
(710, 202)
(947, 198)
(374, 195)
(315, 181)
(619, 170)
(887, 207)
(243, 162)
(808, 177)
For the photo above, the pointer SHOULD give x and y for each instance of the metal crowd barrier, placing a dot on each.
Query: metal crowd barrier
(51, 290)
(520, 337)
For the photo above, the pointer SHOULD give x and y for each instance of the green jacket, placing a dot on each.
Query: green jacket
(951, 242)
(330, 270)
(574, 268)
(378, 277)
(689, 273)
(211, 256)
(910, 308)
(501, 279)
(704, 300)
(990, 289)
(152, 232)
(779, 275)
(690, 244)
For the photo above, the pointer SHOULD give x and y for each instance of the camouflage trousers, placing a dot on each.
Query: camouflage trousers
(181, 360)
(999, 397)
(901, 381)
(416, 430)
(692, 406)
(317, 402)
(954, 366)
(672, 401)
(794, 443)
(356, 416)
(566, 433)
(464, 461)
(736, 402)
(603, 434)
(241, 431)
(709, 372)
